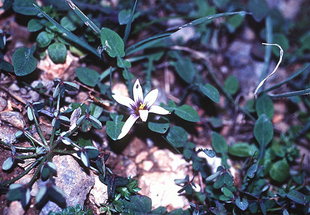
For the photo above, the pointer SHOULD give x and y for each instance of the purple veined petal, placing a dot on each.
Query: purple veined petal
(127, 126)
(123, 100)
(150, 98)
(137, 92)
(158, 110)
(143, 115)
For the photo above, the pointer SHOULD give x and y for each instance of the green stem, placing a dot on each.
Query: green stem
(36, 123)
(290, 94)
(23, 173)
(28, 156)
(67, 152)
(57, 114)
(20, 148)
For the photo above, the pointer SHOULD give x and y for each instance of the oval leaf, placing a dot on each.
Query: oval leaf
(177, 136)
(160, 126)
(242, 149)
(8, 164)
(24, 7)
(219, 143)
(187, 113)
(23, 61)
(57, 52)
(231, 85)
(112, 43)
(210, 91)
(263, 130)
(279, 170)
(264, 105)
(87, 76)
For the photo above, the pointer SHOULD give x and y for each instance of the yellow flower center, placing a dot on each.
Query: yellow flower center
(142, 106)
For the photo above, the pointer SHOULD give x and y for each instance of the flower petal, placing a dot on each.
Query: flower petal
(123, 100)
(150, 98)
(137, 92)
(143, 115)
(158, 110)
(127, 126)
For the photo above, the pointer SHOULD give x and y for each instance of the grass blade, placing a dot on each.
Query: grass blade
(67, 34)
(83, 17)
(290, 94)
(268, 49)
(128, 26)
(300, 71)
(136, 47)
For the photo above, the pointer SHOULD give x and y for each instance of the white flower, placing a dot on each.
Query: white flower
(140, 107)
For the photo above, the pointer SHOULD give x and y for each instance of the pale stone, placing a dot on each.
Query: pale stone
(141, 157)
(15, 208)
(120, 89)
(147, 165)
(159, 185)
(16, 119)
(99, 193)
(131, 169)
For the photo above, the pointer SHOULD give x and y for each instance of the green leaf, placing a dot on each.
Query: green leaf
(210, 91)
(24, 7)
(41, 194)
(209, 153)
(264, 105)
(219, 143)
(252, 170)
(279, 170)
(177, 136)
(243, 205)
(227, 192)
(92, 152)
(87, 76)
(259, 9)
(160, 126)
(241, 149)
(112, 43)
(114, 127)
(6, 66)
(67, 34)
(231, 85)
(84, 158)
(234, 22)
(282, 40)
(138, 204)
(44, 39)
(263, 130)
(124, 16)
(34, 25)
(67, 23)
(95, 122)
(23, 61)
(185, 68)
(297, 197)
(187, 113)
(57, 52)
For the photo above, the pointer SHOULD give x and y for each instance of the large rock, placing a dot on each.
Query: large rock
(72, 180)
